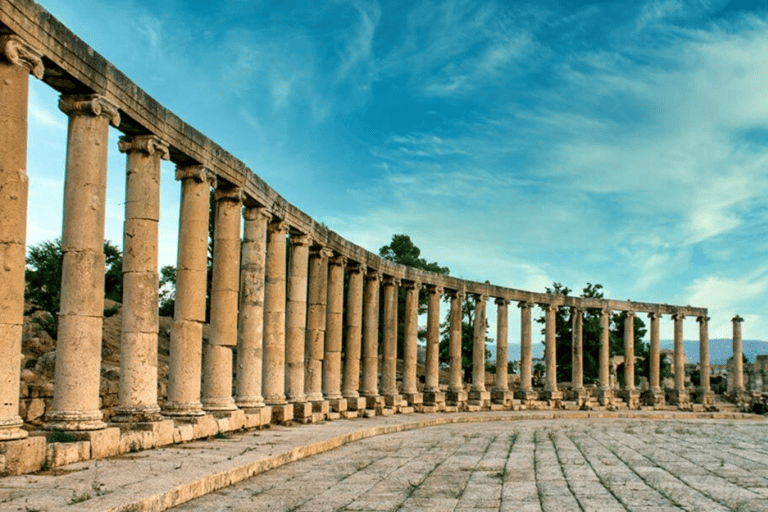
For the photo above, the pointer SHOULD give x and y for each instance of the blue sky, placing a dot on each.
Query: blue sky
(621, 143)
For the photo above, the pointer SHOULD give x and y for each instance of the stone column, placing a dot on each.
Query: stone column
(392, 398)
(185, 366)
(353, 338)
(605, 393)
(410, 343)
(456, 395)
(478, 396)
(550, 352)
(370, 389)
(251, 324)
(295, 326)
(333, 335)
(317, 297)
(78, 348)
(137, 399)
(432, 394)
(657, 394)
(738, 359)
(577, 354)
(17, 60)
(629, 393)
(706, 396)
(500, 393)
(273, 372)
(225, 289)
(525, 392)
(680, 395)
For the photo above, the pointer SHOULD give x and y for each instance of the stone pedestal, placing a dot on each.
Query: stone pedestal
(393, 401)
(707, 398)
(502, 396)
(654, 397)
(579, 395)
(321, 407)
(526, 395)
(479, 398)
(357, 403)
(552, 396)
(302, 411)
(375, 402)
(337, 404)
(414, 399)
(434, 398)
(679, 398)
(605, 397)
(456, 398)
(282, 413)
(631, 397)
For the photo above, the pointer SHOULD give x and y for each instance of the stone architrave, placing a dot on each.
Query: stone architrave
(370, 356)
(225, 289)
(389, 344)
(679, 395)
(17, 61)
(334, 332)
(250, 337)
(137, 398)
(738, 359)
(78, 350)
(351, 383)
(500, 393)
(410, 340)
(550, 352)
(605, 394)
(478, 395)
(526, 389)
(296, 319)
(432, 393)
(317, 297)
(273, 372)
(456, 395)
(185, 365)
(706, 396)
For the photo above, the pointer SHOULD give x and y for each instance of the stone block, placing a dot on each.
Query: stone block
(356, 403)
(414, 399)
(205, 426)
(23, 455)
(321, 407)
(252, 419)
(387, 411)
(631, 397)
(393, 400)
(451, 408)
(501, 396)
(282, 414)
(338, 404)
(59, 454)
(455, 397)
(481, 398)
(428, 409)
(183, 433)
(497, 407)
(104, 442)
(133, 441)
(350, 414)
(472, 407)
(266, 415)
(334, 416)
(369, 413)
(222, 425)
(605, 397)
(434, 397)
(35, 409)
(374, 402)
(318, 417)
(302, 411)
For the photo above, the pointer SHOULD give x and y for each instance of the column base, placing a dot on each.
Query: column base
(320, 407)
(10, 429)
(479, 398)
(219, 404)
(249, 402)
(374, 402)
(631, 397)
(22, 456)
(338, 405)
(706, 398)
(455, 398)
(580, 395)
(282, 414)
(552, 396)
(605, 397)
(302, 411)
(434, 398)
(653, 397)
(357, 403)
(145, 414)
(414, 399)
(526, 395)
(502, 396)
(75, 421)
(679, 397)
(182, 409)
(393, 401)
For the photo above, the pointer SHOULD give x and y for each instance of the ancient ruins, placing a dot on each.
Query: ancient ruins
(282, 305)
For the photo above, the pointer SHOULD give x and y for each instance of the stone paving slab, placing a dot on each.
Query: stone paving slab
(478, 461)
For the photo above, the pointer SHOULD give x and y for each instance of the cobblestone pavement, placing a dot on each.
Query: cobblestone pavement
(563, 465)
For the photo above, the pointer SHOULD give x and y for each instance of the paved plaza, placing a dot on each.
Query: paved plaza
(561, 465)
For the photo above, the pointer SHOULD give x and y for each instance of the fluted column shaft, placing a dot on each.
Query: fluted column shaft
(629, 351)
(525, 346)
(296, 318)
(354, 332)
(456, 383)
(389, 341)
(225, 289)
(738, 361)
(432, 377)
(334, 329)
(370, 385)
(137, 398)
(605, 347)
(655, 356)
(478, 345)
(410, 336)
(550, 347)
(17, 60)
(577, 349)
(78, 348)
(704, 353)
(317, 297)
(679, 353)
(502, 334)
(273, 373)
(251, 324)
(185, 366)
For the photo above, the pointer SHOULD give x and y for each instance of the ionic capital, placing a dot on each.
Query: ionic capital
(479, 297)
(148, 144)
(501, 301)
(256, 212)
(90, 105)
(373, 275)
(702, 319)
(653, 315)
(301, 240)
(577, 310)
(549, 307)
(199, 173)
(737, 318)
(678, 316)
(18, 52)
(605, 312)
(630, 314)
(338, 259)
(320, 252)
(411, 285)
(434, 289)
(354, 267)
(278, 227)
(230, 195)
(391, 281)
(525, 305)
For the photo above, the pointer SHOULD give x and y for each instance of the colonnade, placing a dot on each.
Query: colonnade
(312, 317)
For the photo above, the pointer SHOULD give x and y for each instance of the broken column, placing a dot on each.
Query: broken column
(577, 355)
(137, 398)
(78, 349)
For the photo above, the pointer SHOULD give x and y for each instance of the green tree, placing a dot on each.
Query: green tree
(167, 290)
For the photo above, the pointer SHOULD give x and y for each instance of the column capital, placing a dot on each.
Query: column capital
(737, 318)
(454, 293)
(256, 212)
(702, 319)
(199, 173)
(549, 307)
(233, 195)
(411, 285)
(278, 226)
(338, 259)
(654, 315)
(630, 314)
(578, 310)
(300, 240)
(18, 52)
(354, 267)
(525, 305)
(480, 297)
(148, 144)
(373, 275)
(501, 301)
(89, 105)
(678, 316)
(605, 311)
(434, 289)
(391, 280)
(318, 251)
